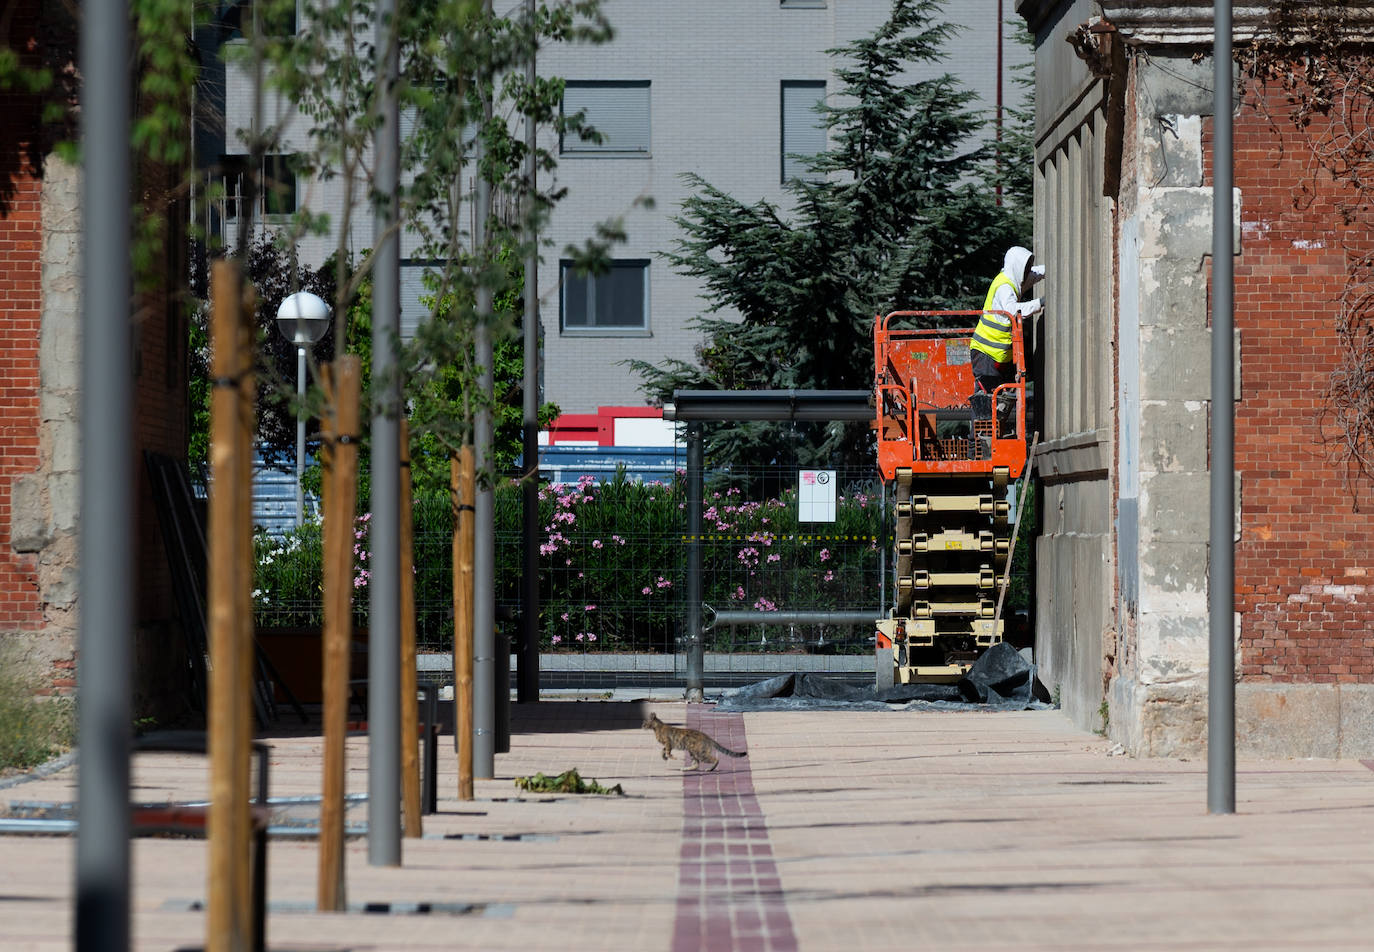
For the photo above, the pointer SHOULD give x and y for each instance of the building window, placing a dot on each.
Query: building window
(233, 167)
(275, 18)
(278, 184)
(614, 301)
(803, 128)
(618, 111)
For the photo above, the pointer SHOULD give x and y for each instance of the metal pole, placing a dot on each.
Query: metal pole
(107, 498)
(746, 616)
(882, 556)
(484, 515)
(769, 405)
(300, 436)
(1221, 658)
(527, 676)
(696, 648)
(384, 636)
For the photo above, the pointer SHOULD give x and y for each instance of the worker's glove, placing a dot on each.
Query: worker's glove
(1031, 308)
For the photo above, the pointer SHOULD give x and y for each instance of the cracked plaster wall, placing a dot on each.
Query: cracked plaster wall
(46, 508)
(1163, 403)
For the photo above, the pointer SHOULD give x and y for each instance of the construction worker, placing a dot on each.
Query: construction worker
(990, 349)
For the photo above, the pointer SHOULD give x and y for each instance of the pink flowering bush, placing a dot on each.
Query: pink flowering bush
(612, 560)
(609, 555)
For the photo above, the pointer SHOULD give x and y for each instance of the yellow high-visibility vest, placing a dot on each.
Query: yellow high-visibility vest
(993, 334)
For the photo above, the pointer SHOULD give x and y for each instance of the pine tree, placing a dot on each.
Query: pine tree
(900, 212)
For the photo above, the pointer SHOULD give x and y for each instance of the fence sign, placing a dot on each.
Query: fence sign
(816, 495)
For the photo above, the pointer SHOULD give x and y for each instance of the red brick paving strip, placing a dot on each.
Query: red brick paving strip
(729, 893)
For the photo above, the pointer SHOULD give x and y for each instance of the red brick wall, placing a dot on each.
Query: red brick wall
(157, 364)
(20, 303)
(1306, 549)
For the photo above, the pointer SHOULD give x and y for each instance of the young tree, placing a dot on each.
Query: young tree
(460, 62)
(464, 98)
(440, 395)
(900, 212)
(470, 98)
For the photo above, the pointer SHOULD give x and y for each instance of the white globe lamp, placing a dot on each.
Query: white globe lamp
(303, 318)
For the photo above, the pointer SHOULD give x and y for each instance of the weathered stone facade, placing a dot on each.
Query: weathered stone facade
(40, 398)
(1123, 629)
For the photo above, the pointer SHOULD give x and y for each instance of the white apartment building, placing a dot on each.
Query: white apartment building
(724, 89)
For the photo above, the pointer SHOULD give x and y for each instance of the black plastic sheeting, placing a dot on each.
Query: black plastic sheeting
(1000, 680)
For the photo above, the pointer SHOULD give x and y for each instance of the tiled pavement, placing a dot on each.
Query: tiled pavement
(729, 894)
(841, 830)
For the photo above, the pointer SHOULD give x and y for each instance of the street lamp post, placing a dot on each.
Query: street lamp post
(303, 319)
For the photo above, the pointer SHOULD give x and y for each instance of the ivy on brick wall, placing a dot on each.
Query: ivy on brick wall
(1310, 71)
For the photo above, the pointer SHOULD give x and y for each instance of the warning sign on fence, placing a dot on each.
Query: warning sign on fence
(816, 495)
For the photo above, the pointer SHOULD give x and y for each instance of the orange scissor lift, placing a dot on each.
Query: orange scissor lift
(952, 457)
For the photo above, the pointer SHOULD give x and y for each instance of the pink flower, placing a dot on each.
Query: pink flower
(825, 555)
(590, 636)
(646, 590)
(557, 639)
(596, 543)
(590, 608)
(564, 616)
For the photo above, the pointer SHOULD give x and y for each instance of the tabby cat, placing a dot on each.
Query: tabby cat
(698, 747)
